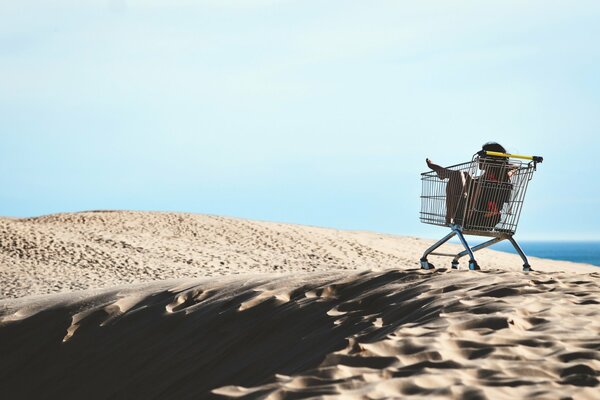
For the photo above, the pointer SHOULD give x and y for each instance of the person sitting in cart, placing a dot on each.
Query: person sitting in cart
(486, 193)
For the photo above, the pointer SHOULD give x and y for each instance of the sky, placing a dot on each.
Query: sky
(310, 112)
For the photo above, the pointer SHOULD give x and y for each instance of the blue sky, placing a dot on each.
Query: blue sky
(311, 112)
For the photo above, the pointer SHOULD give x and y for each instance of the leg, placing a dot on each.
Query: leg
(526, 266)
(424, 263)
(472, 262)
(439, 170)
(455, 189)
(455, 196)
(474, 249)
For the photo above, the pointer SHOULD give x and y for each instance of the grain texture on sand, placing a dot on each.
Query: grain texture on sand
(87, 250)
(279, 311)
(355, 335)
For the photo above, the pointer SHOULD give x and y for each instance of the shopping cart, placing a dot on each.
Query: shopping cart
(482, 197)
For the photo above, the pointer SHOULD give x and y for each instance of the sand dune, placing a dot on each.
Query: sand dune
(274, 311)
(373, 335)
(66, 252)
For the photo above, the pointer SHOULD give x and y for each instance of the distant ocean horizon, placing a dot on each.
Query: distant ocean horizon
(587, 252)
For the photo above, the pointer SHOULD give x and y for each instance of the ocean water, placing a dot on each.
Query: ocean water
(581, 252)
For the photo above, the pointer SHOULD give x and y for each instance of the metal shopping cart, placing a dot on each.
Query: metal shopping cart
(482, 197)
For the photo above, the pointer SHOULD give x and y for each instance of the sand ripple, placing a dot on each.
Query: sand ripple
(359, 335)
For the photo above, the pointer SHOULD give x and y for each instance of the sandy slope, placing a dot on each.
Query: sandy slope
(447, 334)
(66, 252)
(362, 323)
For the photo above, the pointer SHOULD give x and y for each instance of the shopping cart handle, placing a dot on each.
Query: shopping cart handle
(536, 159)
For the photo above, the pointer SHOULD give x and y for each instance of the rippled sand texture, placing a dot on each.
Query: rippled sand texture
(66, 252)
(354, 335)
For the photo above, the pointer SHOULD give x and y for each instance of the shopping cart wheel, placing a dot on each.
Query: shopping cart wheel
(473, 266)
(527, 268)
(454, 265)
(426, 265)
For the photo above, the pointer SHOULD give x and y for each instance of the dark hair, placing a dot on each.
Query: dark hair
(493, 146)
(494, 164)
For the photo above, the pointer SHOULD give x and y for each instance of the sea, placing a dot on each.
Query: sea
(581, 252)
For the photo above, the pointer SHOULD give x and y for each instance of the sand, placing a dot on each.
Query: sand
(89, 250)
(267, 310)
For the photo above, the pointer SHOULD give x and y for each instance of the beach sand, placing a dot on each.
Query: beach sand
(166, 305)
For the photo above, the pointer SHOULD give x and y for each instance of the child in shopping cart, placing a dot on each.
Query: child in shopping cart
(487, 193)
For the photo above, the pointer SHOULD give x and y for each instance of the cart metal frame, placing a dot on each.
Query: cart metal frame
(482, 197)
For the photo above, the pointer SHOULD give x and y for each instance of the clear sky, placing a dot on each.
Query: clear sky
(312, 112)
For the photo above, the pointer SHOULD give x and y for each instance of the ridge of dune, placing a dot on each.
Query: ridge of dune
(95, 249)
(352, 335)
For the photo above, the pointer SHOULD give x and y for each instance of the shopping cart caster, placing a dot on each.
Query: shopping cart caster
(527, 268)
(426, 265)
(473, 266)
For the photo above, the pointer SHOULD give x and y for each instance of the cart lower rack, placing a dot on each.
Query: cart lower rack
(481, 197)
